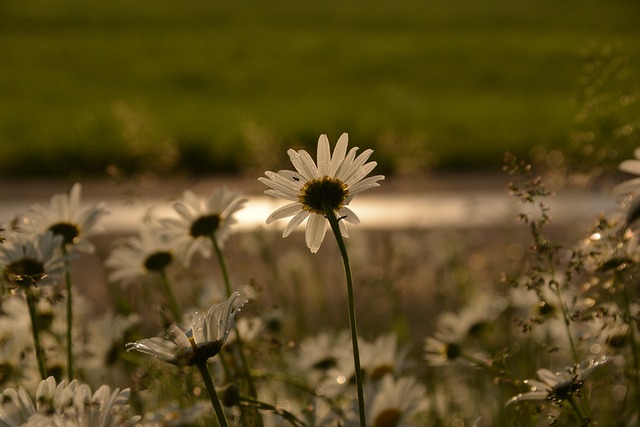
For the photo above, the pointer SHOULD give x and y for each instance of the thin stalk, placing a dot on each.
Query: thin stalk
(567, 323)
(227, 285)
(176, 311)
(67, 277)
(32, 301)
(584, 420)
(223, 265)
(335, 227)
(213, 396)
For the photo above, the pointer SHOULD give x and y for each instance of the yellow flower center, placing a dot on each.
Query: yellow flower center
(321, 192)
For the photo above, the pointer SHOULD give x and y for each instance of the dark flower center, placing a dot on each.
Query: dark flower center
(158, 261)
(453, 351)
(388, 418)
(24, 272)
(324, 364)
(563, 391)
(69, 232)
(380, 371)
(205, 225)
(321, 192)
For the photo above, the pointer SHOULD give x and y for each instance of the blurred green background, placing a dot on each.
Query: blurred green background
(206, 87)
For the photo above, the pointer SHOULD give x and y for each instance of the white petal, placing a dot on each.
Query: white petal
(630, 166)
(295, 221)
(285, 211)
(365, 184)
(316, 229)
(338, 154)
(324, 156)
(348, 215)
(302, 166)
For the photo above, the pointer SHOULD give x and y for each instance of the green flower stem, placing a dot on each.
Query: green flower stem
(335, 227)
(32, 301)
(227, 284)
(67, 277)
(176, 311)
(223, 265)
(213, 396)
(567, 322)
(584, 420)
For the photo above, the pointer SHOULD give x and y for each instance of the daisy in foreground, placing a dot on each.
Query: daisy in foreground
(318, 190)
(66, 404)
(204, 340)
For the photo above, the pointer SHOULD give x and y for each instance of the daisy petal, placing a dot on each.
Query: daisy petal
(316, 229)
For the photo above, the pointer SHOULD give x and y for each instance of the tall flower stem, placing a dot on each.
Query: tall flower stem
(176, 311)
(227, 284)
(223, 265)
(335, 227)
(32, 301)
(67, 278)
(213, 396)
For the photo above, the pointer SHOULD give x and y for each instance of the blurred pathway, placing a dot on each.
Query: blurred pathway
(439, 201)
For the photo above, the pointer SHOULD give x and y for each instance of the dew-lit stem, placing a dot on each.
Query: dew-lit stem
(335, 227)
(567, 322)
(32, 302)
(213, 396)
(223, 265)
(176, 311)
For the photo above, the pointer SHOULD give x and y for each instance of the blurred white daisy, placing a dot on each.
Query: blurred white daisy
(397, 401)
(559, 386)
(314, 189)
(31, 259)
(200, 220)
(66, 404)
(65, 218)
(151, 251)
(382, 357)
(204, 340)
(631, 166)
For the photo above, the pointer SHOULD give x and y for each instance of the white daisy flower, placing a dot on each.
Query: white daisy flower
(204, 340)
(30, 260)
(202, 219)
(151, 251)
(631, 166)
(559, 386)
(66, 404)
(64, 217)
(315, 189)
(397, 401)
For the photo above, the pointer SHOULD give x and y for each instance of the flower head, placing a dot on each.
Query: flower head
(397, 401)
(64, 218)
(150, 251)
(66, 404)
(30, 260)
(559, 386)
(202, 219)
(205, 339)
(316, 189)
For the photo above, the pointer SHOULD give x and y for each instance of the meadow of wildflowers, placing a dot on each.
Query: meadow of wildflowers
(411, 328)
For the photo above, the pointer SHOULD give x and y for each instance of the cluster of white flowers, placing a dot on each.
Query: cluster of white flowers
(567, 314)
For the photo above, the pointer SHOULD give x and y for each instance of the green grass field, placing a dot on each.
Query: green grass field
(210, 86)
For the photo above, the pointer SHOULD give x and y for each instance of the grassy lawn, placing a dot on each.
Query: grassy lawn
(215, 86)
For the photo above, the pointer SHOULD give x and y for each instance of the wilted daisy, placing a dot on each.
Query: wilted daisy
(558, 386)
(315, 189)
(205, 339)
(66, 404)
(201, 220)
(65, 218)
(151, 251)
(30, 260)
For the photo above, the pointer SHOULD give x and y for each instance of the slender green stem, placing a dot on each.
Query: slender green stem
(32, 301)
(213, 396)
(223, 265)
(227, 285)
(584, 420)
(567, 322)
(176, 311)
(67, 277)
(335, 227)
